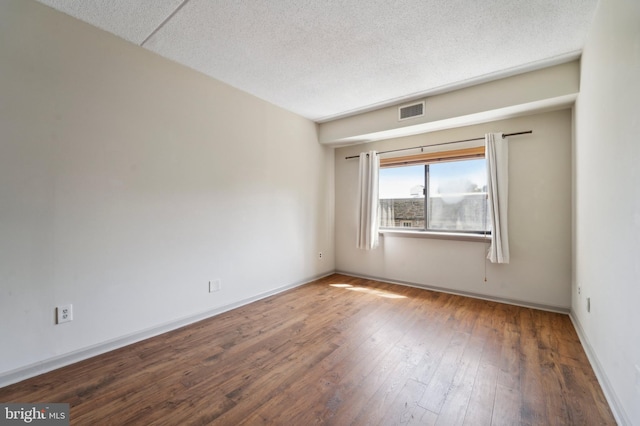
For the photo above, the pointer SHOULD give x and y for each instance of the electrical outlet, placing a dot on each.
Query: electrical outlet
(588, 304)
(319, 255)
(64, 313)
(215, 285)
(579, 290)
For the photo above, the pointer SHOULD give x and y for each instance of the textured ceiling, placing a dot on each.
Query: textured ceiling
(325, 59)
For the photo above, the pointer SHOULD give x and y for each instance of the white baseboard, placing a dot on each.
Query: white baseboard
(32, 370)
(607, 389)
(525, 304)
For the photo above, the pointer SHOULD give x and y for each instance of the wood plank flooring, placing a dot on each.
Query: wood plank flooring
(340, 351)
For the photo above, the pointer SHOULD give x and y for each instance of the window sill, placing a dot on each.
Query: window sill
(458, 236)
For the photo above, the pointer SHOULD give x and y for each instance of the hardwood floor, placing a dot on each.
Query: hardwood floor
(340, 351)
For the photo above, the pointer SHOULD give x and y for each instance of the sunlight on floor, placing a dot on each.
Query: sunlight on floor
(372, 291)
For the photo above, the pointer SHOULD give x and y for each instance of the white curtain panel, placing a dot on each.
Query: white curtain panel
(497, 154)
(368, 201)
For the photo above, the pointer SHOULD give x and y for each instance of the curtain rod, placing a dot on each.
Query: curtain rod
(444, 143)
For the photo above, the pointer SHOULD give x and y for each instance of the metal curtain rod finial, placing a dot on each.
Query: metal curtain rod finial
(525, 132)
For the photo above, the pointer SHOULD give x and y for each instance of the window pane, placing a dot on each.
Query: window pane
(458, 196)
(402, 197)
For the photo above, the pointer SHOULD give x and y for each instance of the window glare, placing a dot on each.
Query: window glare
(457, 196)
(457, 177)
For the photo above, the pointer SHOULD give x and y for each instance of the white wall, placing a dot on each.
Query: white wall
(607, 202)
(539, 214)
(127, 182)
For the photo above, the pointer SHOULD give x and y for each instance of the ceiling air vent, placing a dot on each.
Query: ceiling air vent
(410, 111)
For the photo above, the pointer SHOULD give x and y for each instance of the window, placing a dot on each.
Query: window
(435, 192)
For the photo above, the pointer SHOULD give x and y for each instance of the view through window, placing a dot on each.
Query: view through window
(455, 198)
